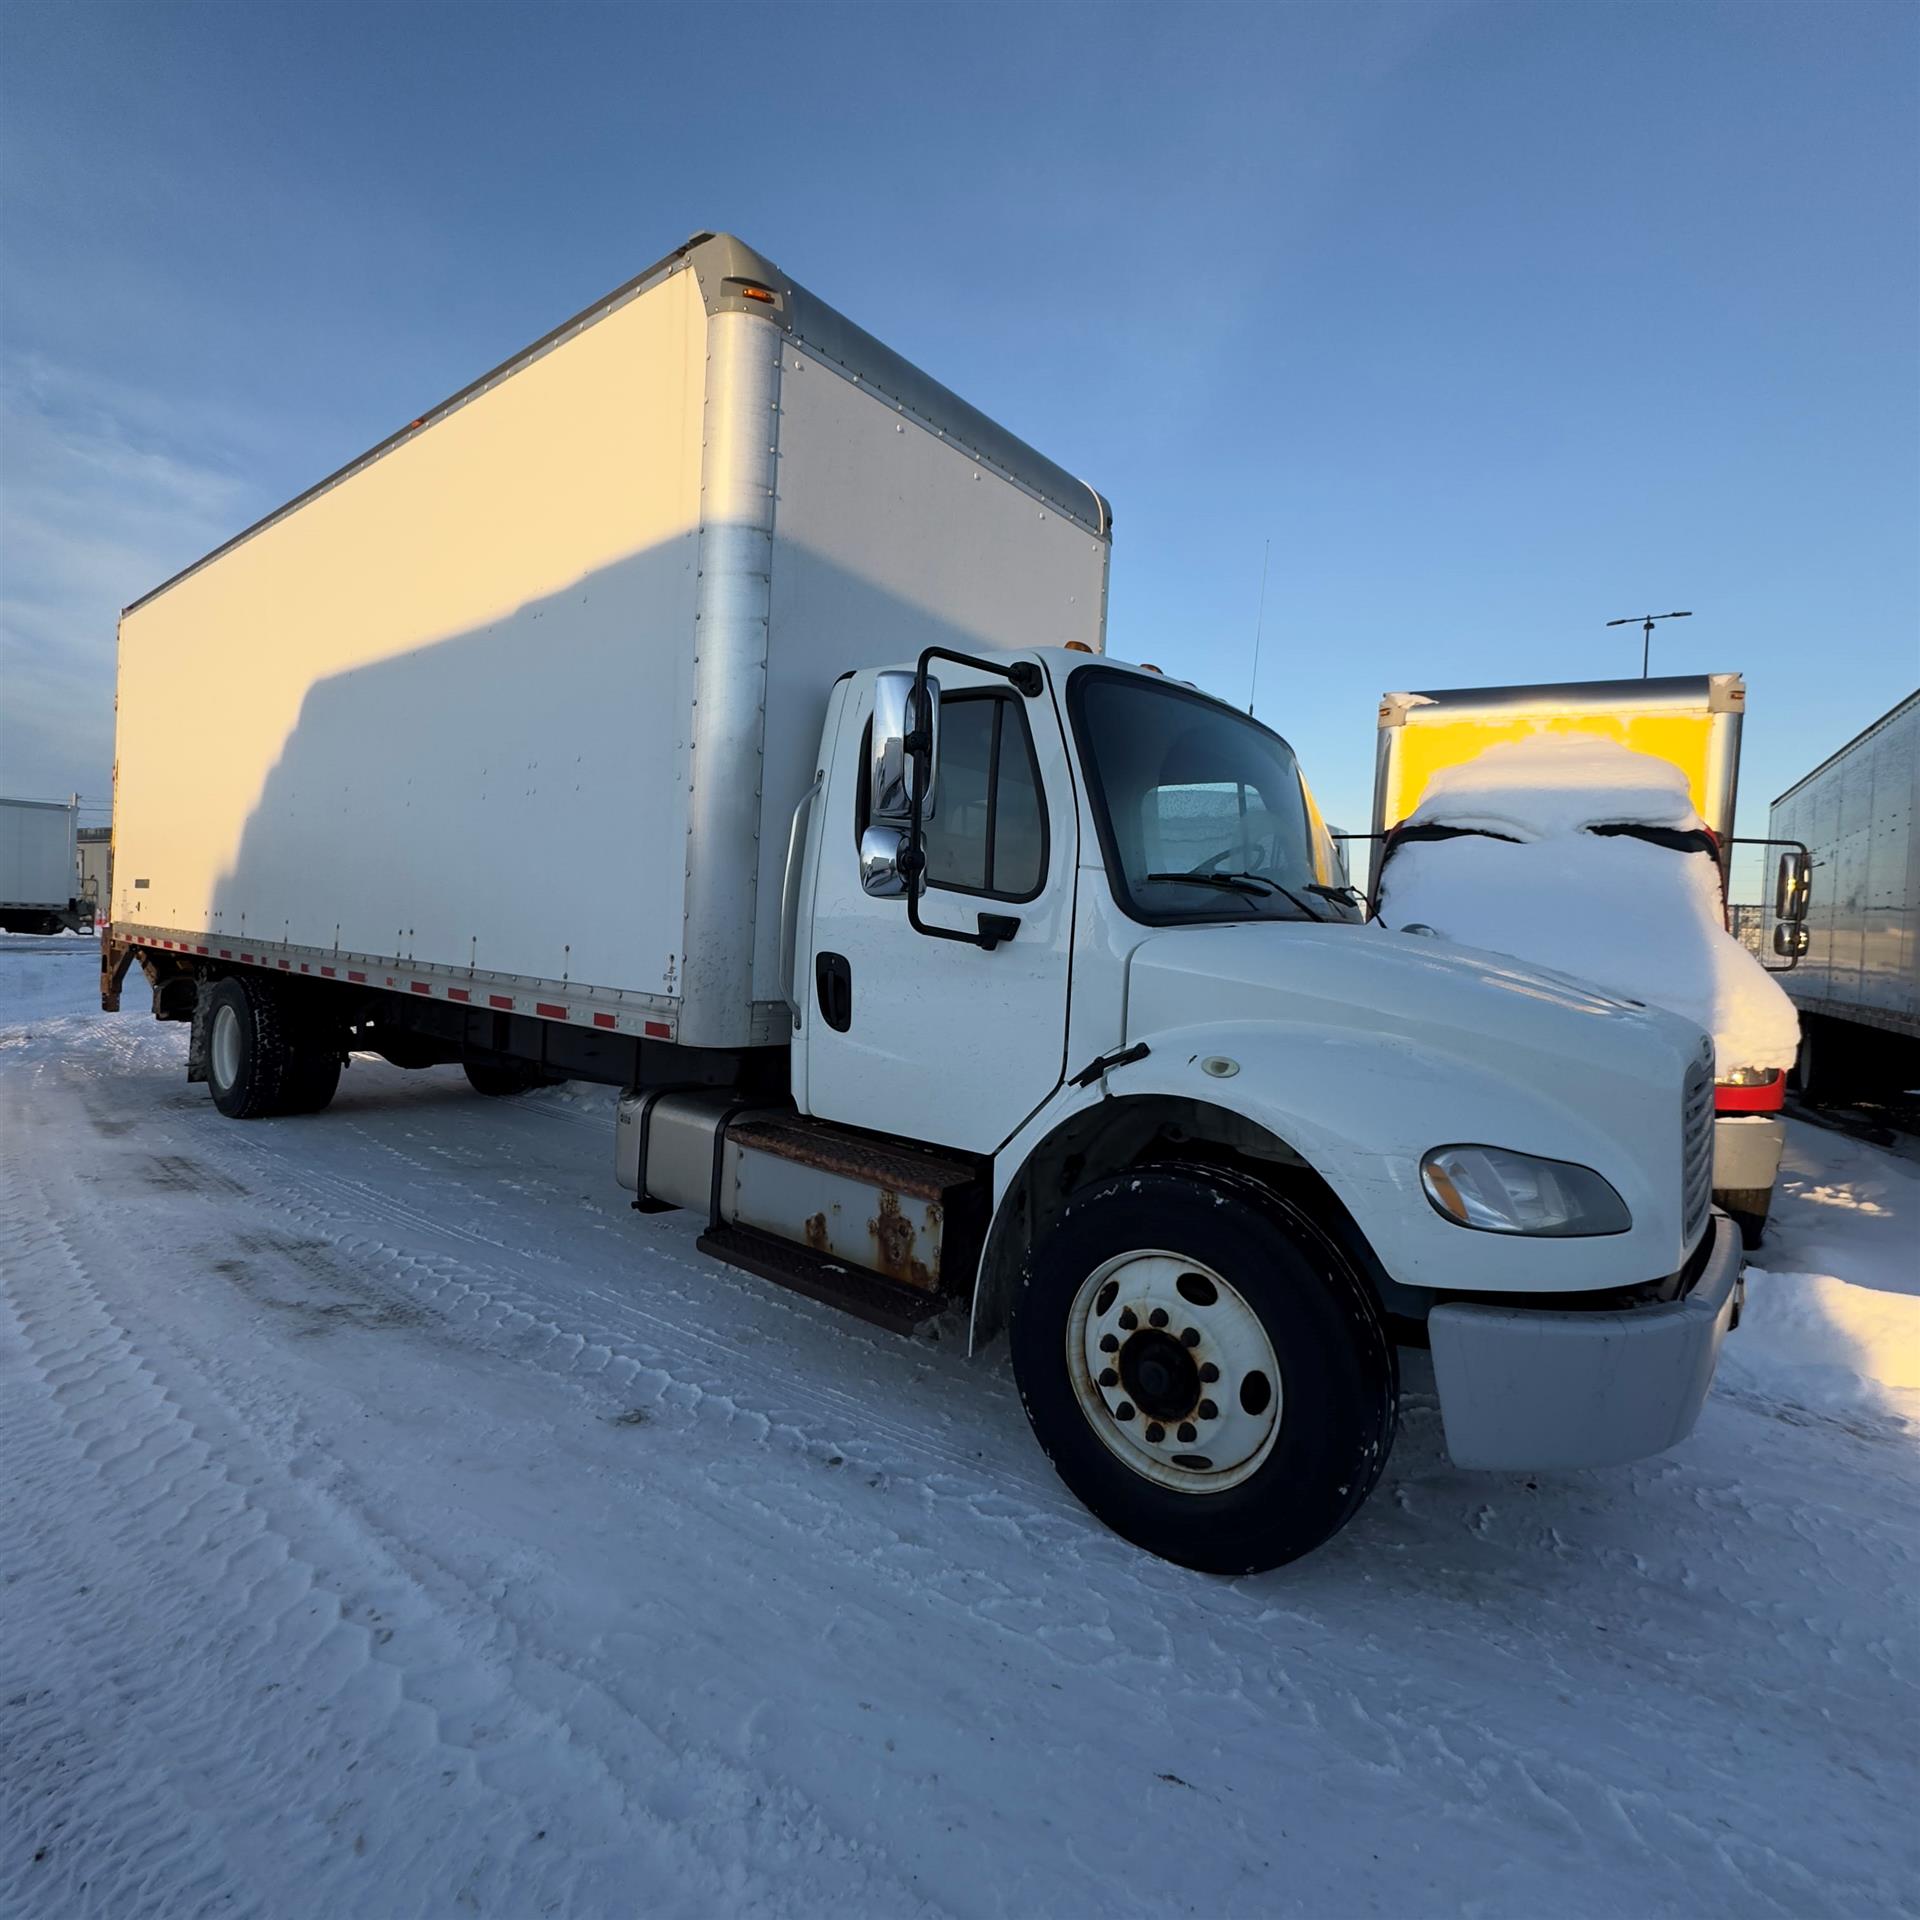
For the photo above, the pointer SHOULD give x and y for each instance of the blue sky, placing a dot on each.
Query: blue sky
(1497, 320)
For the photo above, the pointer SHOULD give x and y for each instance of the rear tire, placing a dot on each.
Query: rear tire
(1296, 1453)
(313, 1078)
(503, 1081)
(249, 1061)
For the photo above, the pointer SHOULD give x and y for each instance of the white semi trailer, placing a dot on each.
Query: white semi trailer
(39, 874)
(708, 703)
(1857, 983)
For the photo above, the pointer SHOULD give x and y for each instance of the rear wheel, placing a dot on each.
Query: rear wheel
(313, 1076)
(248, 1058)
(1205, 1370)
(502, 1080)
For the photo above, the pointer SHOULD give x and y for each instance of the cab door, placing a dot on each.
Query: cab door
(939, 1040)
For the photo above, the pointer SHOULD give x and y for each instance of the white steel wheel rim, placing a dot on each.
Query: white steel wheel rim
(226, 1046)
(1174, 1371)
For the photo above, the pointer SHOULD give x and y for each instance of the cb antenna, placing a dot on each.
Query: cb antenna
(1259, 620)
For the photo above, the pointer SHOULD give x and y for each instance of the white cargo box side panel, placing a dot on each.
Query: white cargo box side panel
(438, 712)
(888, 539)
(37, 863)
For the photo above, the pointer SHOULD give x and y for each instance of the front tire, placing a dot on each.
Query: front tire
(1203, 1367)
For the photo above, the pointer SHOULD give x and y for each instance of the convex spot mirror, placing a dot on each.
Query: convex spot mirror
(1792, 887)
(880, 851)
(897, 773)
(1790, 939)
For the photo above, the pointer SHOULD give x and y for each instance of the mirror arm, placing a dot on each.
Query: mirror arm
(1027, 680)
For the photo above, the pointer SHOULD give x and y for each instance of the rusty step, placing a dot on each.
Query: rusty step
(909, 1218)
(878, 1163)
(882, 1303)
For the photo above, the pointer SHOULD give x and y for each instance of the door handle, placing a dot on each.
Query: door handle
(833, 982)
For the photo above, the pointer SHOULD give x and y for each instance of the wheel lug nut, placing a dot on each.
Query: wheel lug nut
(1156, 1433)
(1124, 1411)
(1127, 1319)
(1209, 1373)
(1208, 1411)
(1108, 1344)
(1188, 1432)
(1158, 1316)
(1191, 1338)
(1108, 1378)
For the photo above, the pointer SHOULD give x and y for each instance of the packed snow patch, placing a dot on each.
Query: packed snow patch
(1636, 918)
(1557, 783)
(396, 1523)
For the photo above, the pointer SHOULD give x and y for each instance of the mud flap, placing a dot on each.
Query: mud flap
(198, 1039)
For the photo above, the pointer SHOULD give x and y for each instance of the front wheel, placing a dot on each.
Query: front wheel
(1205, 1370)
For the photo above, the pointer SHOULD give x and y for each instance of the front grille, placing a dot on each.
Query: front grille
(1696, 1150)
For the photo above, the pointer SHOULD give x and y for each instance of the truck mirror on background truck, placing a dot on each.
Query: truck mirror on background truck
(1790, 939)
(893, 770)
(1792, 889)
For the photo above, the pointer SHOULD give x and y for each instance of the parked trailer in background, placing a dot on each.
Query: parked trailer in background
(1857, 983)
(39, 873)
(96, 870)
(708, 703)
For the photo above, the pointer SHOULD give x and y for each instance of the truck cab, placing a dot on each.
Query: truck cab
(1088, 1044)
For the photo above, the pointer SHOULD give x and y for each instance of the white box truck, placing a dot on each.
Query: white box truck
(709, 704)
(1857, 983)
(39, 868)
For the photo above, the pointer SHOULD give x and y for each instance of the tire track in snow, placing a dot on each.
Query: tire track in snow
(1089, 1598)
(203, 1789)
(1311, 1666)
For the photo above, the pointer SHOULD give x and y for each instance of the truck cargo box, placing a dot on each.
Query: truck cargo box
(1856, 814)
(522, 700)
(1692, 721)
(38, 867)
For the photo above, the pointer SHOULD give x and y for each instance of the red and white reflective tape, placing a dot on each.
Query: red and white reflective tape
(647, 1026)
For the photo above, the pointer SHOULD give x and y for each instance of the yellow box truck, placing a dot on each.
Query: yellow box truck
(1457, 770)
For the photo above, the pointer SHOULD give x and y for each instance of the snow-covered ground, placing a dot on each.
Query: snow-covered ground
(392, 1522)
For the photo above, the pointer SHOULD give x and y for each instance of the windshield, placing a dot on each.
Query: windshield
(1201, 811)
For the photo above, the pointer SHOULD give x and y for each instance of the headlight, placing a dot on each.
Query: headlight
(1499, 1191)
(1750, 1077)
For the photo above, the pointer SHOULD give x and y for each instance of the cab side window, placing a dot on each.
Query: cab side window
(988, 833)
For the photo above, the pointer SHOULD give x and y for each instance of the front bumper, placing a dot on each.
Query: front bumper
(1532, 1387)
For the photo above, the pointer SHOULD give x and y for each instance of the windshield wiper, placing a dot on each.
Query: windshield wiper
(1235, 882)
(1346, 896)
(1240, 883)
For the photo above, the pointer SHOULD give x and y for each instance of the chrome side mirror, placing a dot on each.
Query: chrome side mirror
(880, 850)
(1793, 887)
(894, 773)
(1791, 939)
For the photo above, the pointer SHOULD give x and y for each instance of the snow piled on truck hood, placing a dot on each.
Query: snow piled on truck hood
(1641, 920)
(1557, 783)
